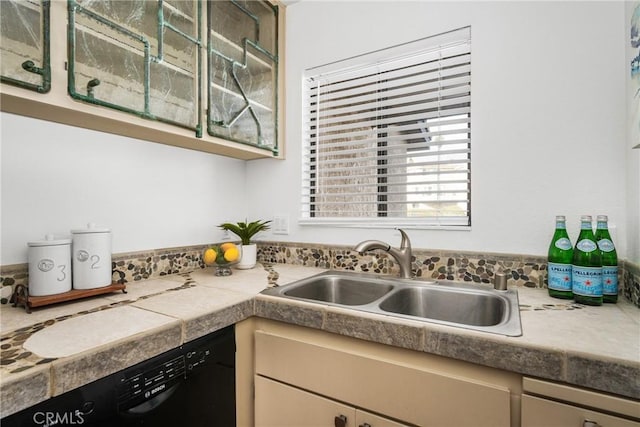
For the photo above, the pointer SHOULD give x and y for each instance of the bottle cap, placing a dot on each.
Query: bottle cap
(560, 218)
(602, 218)
(585, 218)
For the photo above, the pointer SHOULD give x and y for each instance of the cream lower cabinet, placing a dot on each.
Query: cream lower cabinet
(546, 404)
(305, 377)
(281, 405)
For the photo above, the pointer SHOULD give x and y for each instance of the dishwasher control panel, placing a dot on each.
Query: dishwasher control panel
(136, 388)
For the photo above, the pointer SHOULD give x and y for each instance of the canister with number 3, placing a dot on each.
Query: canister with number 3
(49, 266)
(91, 257)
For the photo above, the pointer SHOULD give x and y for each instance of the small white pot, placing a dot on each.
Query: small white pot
(247, 257)
(91, 257)
(49, 266)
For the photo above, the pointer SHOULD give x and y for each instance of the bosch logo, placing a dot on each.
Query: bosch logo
(155, 390)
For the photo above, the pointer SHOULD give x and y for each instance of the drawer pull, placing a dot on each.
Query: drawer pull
(588, 423)
(340, 421)
(365, 425)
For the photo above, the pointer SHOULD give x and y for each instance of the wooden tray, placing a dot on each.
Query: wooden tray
(21, 295)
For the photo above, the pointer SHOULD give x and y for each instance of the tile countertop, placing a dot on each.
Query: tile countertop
(58, 348)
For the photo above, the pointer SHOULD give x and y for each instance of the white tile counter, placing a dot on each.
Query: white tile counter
(79, 342)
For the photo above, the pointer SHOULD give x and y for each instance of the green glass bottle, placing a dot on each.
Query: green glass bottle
(609, 260)
(559, 259)
(587, 266)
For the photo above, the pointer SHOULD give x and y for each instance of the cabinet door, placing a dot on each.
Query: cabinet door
(24, 45)
(280, 405)
(366, 419)
(122, 56)
(537, 412)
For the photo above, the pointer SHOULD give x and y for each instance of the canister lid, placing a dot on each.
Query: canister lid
(50, 240)
(91, 228)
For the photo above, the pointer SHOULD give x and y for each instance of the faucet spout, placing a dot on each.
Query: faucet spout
(369, 245)
(402, 255)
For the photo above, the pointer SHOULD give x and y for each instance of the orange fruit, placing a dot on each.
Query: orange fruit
(226, 246)
(209, 256)
(232, 254)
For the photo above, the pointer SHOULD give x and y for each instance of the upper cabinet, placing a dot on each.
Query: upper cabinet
(192, 73)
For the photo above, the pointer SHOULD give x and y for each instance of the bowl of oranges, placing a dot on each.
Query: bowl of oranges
(222, 257)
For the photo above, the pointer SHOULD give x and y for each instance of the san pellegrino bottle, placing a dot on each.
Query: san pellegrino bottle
(609, 260)
(587, 266)
(560, 257)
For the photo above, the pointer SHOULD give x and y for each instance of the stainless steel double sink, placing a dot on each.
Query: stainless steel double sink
(476, 307)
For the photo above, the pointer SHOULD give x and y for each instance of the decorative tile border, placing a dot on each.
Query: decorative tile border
(473, 267)
(134, 266)
(630, 284)
(441, 265)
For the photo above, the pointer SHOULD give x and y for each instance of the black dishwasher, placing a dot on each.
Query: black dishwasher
(190, 386)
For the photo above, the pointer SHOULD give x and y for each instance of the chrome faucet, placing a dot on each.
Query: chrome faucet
(402, 255)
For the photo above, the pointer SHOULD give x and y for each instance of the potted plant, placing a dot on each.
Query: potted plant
(245, 231)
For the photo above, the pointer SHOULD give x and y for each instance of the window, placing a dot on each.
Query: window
(388, 136)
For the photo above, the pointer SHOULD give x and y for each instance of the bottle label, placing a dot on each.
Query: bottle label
(586, 245)
(563, 243)
(605, 245)
(587, 281)
(559, 276)
(609, 280)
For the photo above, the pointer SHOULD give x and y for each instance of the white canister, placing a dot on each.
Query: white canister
(91, 257)
(49, 266)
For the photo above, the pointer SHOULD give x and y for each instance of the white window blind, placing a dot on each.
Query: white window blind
(387, 136)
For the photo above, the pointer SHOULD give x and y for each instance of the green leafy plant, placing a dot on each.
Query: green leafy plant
(245, 231)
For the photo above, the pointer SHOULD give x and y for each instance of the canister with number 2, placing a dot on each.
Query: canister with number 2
(91, 257)
(49, 266)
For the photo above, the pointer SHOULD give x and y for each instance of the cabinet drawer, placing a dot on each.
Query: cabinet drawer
(538, 412)
(280, 405)
(399, 390)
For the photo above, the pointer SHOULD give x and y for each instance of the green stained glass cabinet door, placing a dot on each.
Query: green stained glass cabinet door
(137, 56)
(24, 44)
(243, 72)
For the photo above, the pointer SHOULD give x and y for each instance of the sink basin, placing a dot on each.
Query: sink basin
(339, 290)
(458, 304)
(469, 308)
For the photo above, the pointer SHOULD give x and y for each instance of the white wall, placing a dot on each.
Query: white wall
(633, 138)
(548, 112)
(548, 115)
(56, 178)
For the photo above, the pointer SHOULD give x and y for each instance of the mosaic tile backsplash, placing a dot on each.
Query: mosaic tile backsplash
(473, 267)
